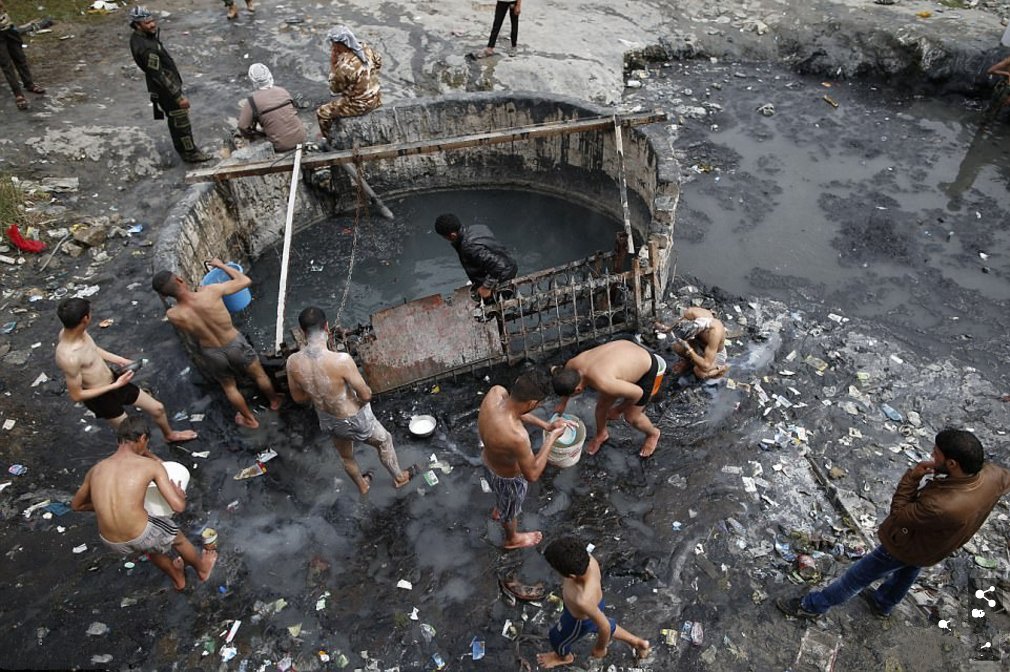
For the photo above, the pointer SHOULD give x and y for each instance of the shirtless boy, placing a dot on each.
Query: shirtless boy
(224, 351)
(331, 381)
(701, 343)
(114, 489)
(582, 594)
(508, 455)
(90, 381)
(619, 370)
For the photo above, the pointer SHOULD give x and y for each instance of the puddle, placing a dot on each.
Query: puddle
(405, 259)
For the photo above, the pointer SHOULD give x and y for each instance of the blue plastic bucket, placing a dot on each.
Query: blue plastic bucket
(233, 302)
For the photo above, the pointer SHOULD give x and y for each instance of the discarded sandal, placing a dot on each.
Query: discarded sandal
(522, 591)
(21, 102)
(35, 88)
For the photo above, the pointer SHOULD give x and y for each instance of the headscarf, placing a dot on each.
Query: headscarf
(138, 13)
(344, 36)
(260, 75)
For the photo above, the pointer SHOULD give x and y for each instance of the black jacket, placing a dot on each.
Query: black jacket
(484, 259)
(162, 76)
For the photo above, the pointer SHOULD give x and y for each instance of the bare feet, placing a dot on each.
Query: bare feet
(642, 651)
(180, 436)
(207, 561)
(649, 447)
(405, 476)
(524, 540)
(366, 481)
(275, 403)
(249, 7)
(595, 445)
(243, 421)
(232, 11)
(177, 572)
(551, 659)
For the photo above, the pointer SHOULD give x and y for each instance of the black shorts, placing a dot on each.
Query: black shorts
(110, 405)
(652, 380)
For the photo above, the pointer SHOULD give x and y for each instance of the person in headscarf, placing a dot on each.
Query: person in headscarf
(354, 79)
(701, 344)
(272, 108)
(13, 61)
(163, 83)
(233, 8)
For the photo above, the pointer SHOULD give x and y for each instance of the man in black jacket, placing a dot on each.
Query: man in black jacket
(485, 260)
(164, 83)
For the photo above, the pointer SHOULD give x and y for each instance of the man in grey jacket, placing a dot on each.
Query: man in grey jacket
(926, 524)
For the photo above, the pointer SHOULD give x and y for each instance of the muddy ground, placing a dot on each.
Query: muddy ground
(682, 537)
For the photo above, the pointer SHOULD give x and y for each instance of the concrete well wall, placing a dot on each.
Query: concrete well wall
(239, 218)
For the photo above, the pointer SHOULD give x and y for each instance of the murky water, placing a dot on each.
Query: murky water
(871, 206)
(405, 259)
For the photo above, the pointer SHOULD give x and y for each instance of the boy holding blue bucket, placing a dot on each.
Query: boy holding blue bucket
(225, 353)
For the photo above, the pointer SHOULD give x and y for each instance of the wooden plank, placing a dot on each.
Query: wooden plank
(391, 151)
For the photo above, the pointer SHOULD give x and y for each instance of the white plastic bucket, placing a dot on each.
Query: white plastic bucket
(154, 503)
(567, 450)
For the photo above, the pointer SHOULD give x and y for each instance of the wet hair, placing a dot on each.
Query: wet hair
(529, 387)
(564, 381)
(446, 224)
(163, 282)
(132, 429)
(963, 447)
(312, 319)
(72, 311)
(568, 556)
(685, 330)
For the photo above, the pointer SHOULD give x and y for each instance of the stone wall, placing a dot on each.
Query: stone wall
(236, 220)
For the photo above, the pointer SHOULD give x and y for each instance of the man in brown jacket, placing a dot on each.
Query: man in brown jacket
(926, 524)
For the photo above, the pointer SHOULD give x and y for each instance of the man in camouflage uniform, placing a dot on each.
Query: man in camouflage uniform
(13, 61)
(163, 83)
(354, 79)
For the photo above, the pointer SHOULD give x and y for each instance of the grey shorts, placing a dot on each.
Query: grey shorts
(157, 537)
(359, 427)
(228, 361)
(509, 493)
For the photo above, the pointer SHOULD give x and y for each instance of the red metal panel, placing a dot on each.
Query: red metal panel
(424, 338)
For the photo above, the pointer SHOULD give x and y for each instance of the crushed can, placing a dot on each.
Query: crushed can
(670, 636)
(806, 566)
(685, 630)
(209, 538)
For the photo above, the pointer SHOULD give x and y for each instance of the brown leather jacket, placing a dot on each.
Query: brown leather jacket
(927, 524)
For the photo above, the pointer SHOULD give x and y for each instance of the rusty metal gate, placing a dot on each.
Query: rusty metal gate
(433, 338)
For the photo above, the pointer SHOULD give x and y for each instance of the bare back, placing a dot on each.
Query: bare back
(202, 314)
(503, 433)
(81, 357)
(583, 594)
(117, 488)
(713, 337)
(330, 379)
(605, 367)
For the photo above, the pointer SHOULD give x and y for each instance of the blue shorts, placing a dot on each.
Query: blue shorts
(570, 630)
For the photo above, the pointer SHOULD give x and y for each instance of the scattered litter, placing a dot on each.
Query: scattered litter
(508, 630)
(35, 507)
(477, 648)
(837, 318)
(321, 602)
(677, 525)
(228, 652)
(295, 630)
(697, 633)
(830, 101)
(266, 455)
(42, 378)
(437, 660)
(196, 417)
(766, 110)
(101, 659)
(17, 469)
(8, 327)
(430, 478)
(414, 614)
(427, 632)
(204, 454)
(323, 656)
(670, 636)
(988, 563)
(406, 585)
(97, 629)
(10, 422)
(136, 228)
(58, 508)
(891, 413)
(484, 485)
(80, 549)
(251, 472)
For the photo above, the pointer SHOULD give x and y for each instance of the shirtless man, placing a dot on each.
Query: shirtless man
(331, 381)
(114, 489)
(698, 330)
(619, 370)
(508, 454)
(224, 351)
(90, 380)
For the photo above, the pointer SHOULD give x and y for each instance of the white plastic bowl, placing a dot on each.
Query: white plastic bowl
(422, 426)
